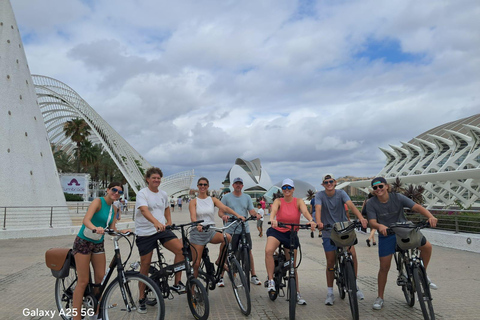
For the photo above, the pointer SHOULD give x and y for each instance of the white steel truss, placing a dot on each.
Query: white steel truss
(59, 103)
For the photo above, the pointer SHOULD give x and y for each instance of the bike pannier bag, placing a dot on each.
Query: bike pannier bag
(407, 238)
(343, 235)
(59, 261)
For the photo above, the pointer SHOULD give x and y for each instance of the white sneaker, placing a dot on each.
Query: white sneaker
(255, 280)
(300, 300)
(271, 285)
(220, 283)
(378, 304)
(330, 299)
(432, 285)
(360, 295)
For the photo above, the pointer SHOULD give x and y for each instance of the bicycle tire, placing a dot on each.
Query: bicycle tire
(64, 288)
(240, 286)
(339, 279)
(423, 292)
(197, 299)
(113, 306)
(408, 287)
(292, 297)
(245, 262)
(351, 284)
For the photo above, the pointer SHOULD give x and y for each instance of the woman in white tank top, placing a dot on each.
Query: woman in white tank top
(203, 208)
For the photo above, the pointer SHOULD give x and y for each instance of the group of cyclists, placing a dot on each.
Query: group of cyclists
(153, 215)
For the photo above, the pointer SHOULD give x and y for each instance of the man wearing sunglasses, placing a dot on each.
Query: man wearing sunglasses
(329, 209)
(243, 205)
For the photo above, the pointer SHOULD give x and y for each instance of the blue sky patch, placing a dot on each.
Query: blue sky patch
(388, 50)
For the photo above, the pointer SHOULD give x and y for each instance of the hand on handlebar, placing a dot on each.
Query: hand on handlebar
(433, 222)
(159, 226)
(382, 229)
(98, 230)
(313, 225)
(320, 226)
(364, 223)
(274, 223)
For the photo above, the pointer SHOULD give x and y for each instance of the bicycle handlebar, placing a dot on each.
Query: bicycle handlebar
(419, 225)
(355, 224)
(233, 218)
(115, 233)
(286, 225)
(180, 226)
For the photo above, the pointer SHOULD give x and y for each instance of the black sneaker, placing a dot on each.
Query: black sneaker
(179, 287)
(142, 307)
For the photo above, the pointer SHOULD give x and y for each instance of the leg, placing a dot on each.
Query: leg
(218, 238)
(99, 263)
(385, 263)
(426, 253)
(330, 257)
(145, 261)
(270, 247)
(197, 257)
(355, 261)
(82, 262)
(175, 246)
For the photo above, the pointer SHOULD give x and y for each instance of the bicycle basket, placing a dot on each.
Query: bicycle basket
(59, 261)
(343, 234)
(407, 238)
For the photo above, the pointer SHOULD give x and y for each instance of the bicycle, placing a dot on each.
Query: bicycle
(160, 272)
(412, 276)
(118, 300)
(344, 237)
(211, 276)
(243, 250)
(284, 266)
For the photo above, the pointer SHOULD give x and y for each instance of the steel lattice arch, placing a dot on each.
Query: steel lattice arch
(445, 160)
(59, 103)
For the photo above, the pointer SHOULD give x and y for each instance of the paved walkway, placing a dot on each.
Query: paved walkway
(26, 283)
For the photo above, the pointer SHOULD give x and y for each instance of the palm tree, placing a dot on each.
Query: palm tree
(310, 194)
(89, 154)
(78, 131)
(62, 160)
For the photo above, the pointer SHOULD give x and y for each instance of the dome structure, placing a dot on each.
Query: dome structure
(256, 180)
(445, 160)
(301, 189)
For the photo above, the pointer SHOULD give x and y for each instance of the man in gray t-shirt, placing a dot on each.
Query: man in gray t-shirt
(329, 208)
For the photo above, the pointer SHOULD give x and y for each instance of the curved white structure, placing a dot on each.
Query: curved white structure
(445, 160)
(28, 175)
(255, 179)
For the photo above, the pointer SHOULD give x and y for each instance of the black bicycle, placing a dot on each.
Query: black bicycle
(412, 276)
(161, 272)
(211, 275)
(284, 272)
(118, 300)
(243, 250)
(344, 237)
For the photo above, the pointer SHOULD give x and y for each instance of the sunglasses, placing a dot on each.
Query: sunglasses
(380, 186)
(328, 181)
(287, 188)
(203, 184)
(115, 190)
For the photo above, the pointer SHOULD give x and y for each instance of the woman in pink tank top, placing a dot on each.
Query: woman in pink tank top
(286, 210)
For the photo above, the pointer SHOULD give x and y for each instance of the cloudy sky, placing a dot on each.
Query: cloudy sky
(307, 86)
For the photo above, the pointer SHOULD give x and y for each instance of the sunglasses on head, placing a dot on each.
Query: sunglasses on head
(380, 186)
(203, 184)
(287, 188)
(328, 181)
(115, 190)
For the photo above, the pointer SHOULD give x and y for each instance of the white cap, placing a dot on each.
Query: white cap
(288, 182)
(329, 175)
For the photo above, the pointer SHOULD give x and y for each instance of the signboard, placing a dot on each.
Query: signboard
(74, 183)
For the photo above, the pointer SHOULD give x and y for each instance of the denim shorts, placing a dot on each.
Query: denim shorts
(387, 245)
(328, 245)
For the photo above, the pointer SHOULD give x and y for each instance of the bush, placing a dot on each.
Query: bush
(73, 197)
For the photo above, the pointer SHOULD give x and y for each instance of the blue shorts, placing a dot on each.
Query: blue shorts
(283, 237)
(328, 245)
(388, 245)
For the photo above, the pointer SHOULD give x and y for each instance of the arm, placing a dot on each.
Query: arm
(254, 213)
(382, 229)
(273, 214)
(318, 215)
(357, 213)
(302, 207)
(94, 207)
(423, 211)
(192, 207)
(168, 216)
(223, 208)
(149, 216)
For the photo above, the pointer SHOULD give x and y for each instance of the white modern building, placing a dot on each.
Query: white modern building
(256, 180)
(445, 160)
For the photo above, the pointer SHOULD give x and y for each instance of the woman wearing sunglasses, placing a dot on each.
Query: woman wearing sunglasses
(287, 210)
(88, 246)
(384, 209)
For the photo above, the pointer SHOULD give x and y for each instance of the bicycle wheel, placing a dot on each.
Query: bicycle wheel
(197, 299)
(423, 292)
(339, 279)
(245, 262)
(351, 284)
(240, 286)
(114, 307)
(64, 293)
(406, 281)
(292, 297)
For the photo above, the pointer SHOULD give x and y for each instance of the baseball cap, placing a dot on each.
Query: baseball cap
(288, 182)
(238, 179)
(328, 176)
(378, 180)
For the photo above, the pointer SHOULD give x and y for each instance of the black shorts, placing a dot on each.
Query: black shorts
(148, 243)
(283, 237)
(236, 238)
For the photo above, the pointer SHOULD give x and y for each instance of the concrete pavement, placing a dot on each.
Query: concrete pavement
(26, 283)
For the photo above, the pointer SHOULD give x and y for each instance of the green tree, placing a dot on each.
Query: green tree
(62, 160)
(78, 131)
(310, 194)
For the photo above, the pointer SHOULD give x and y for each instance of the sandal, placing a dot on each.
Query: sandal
(368, 242)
